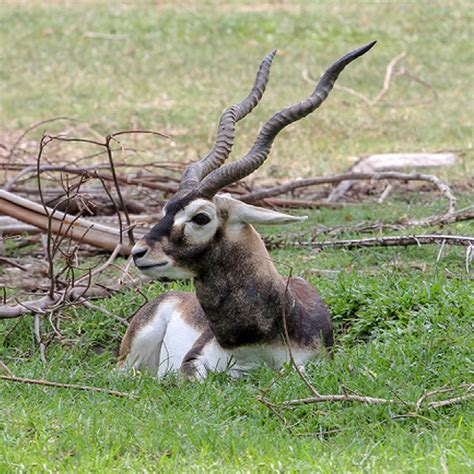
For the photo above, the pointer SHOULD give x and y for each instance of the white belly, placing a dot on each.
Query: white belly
(274, 356)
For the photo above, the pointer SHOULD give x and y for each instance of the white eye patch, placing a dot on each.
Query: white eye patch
(195, 232)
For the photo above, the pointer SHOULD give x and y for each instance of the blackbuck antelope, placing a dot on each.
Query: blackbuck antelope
(243, 314)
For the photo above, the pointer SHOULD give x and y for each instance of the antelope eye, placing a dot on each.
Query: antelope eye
(201, 219)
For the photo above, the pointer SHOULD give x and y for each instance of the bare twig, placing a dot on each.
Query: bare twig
(47, 383)
(93, 169)
(119, 192)
(5, 368)
(39, 339)
(396, 240)
(49, 255)
(338, 398)
(355, 398)
(94, 307)
(432, 393)
(390, 175)
(451, 401)
(12, 262)
(388, 77)
(104, 266)
(271, 407)
(381, 94)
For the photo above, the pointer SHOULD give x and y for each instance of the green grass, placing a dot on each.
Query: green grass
(403, 317)
(403, 325)
(176, 66)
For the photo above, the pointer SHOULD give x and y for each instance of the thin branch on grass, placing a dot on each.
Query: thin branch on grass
(419, 406)
(47, 383)
(286, 337)
(94, 307)
(271, 407)
(104, 266)
(339, 398)
(389, 175)
(6, 369)
(10, 261)
(432, 393)
(39, 339)
(388, 77)
(303, 239)
(451, 401)
(396, 240)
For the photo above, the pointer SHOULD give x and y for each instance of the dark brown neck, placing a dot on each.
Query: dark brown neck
(241, 292)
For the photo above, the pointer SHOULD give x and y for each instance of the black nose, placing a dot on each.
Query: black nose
(138, 252)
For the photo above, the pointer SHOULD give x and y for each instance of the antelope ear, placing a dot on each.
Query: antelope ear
(247, 214)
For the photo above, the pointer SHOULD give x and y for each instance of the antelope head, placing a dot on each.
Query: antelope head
(197, 220)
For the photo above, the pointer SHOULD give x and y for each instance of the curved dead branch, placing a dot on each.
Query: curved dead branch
(47, 383)
(389, 175)
(397, 240)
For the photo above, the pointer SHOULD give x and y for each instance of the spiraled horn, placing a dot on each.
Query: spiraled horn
(195, 172)
(232, 172)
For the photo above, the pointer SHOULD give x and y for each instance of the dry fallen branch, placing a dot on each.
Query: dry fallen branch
(9, 261)
(468, 386)
(67, 225)
(11, 226)
(47, 383)
(335, 398)
(396, 240)
(94, 170)
(73, 294)
(390, 175)
(392, 162)
(451, 401)
(352, 397)
(388, 77)
(348, 397)
(302, 239)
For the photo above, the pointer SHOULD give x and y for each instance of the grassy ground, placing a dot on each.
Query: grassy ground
(175, 66)
(403, 317)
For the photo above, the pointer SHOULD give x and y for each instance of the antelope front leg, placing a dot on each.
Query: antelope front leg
(205, 356)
